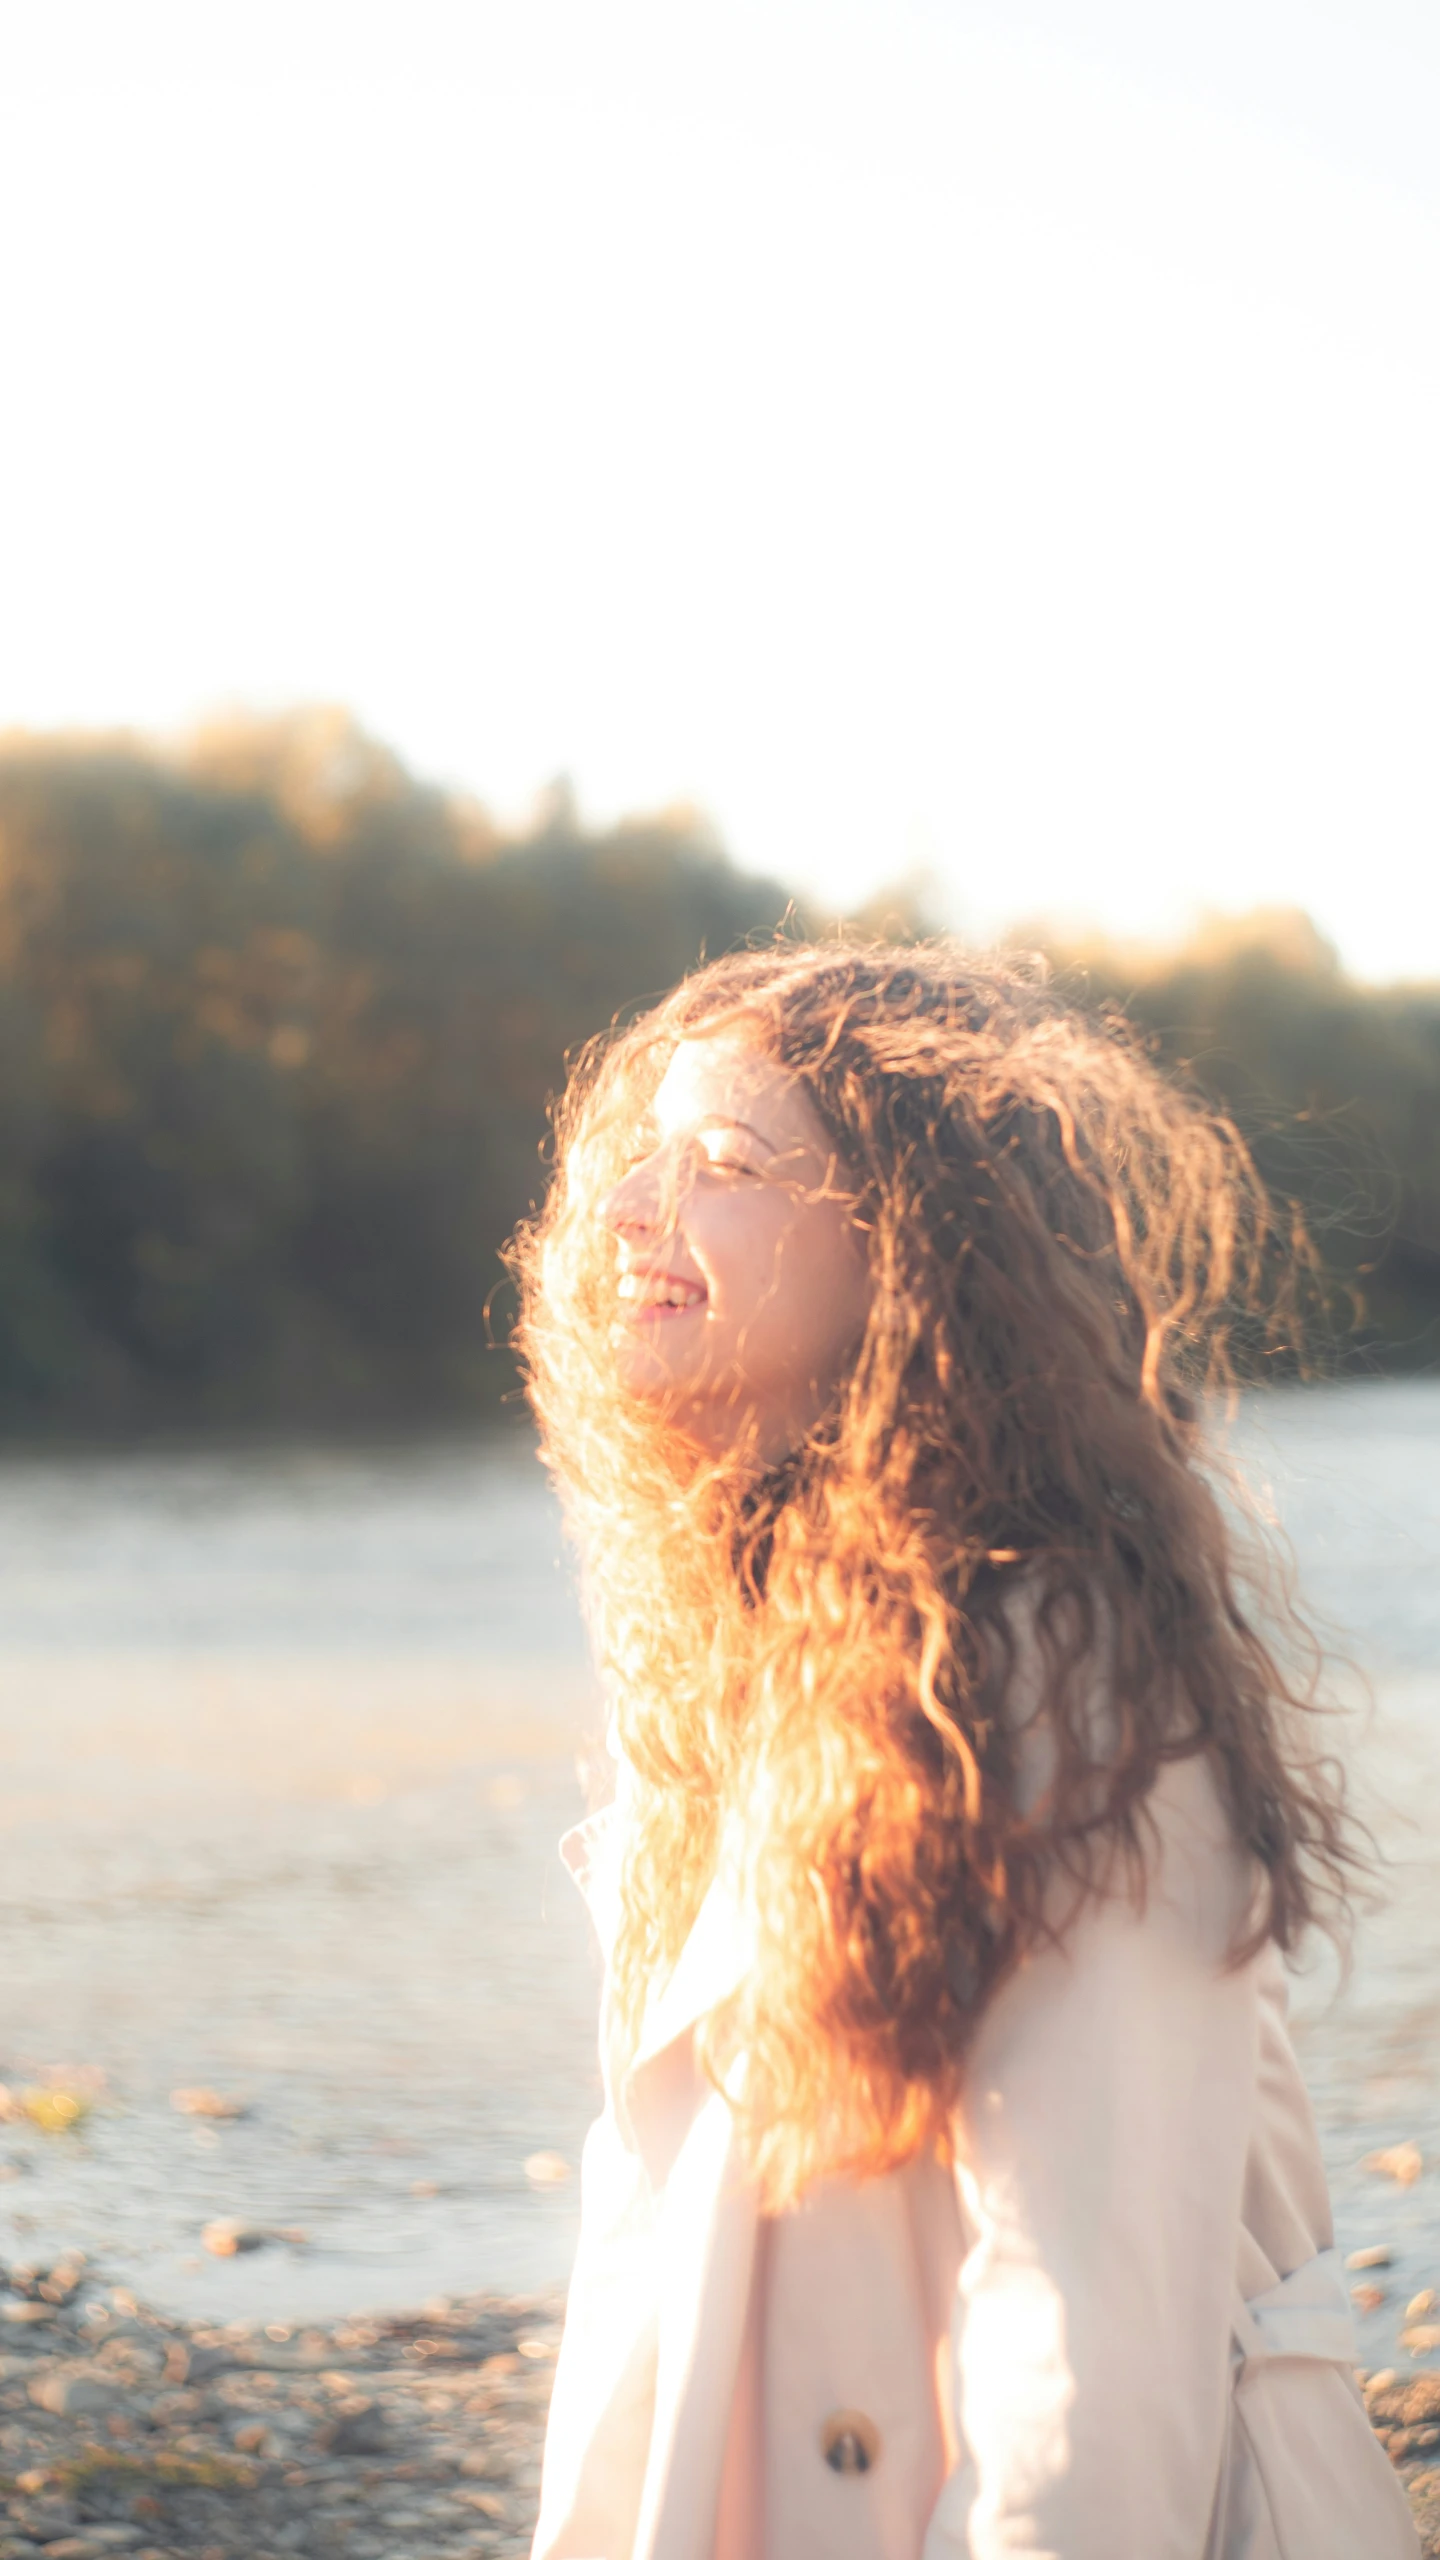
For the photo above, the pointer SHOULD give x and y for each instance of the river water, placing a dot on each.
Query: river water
(286, 1741)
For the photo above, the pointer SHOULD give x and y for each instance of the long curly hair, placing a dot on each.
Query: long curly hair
(807, 1666)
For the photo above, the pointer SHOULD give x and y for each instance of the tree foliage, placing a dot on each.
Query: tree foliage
(279, 1024)
(278, 1027)
(1337, 1088)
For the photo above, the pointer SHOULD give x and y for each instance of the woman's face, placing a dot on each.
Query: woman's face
(742, 1277)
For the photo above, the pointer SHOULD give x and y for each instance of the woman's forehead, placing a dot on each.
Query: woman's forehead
(721, 1075)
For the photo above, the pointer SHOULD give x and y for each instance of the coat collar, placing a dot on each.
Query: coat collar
(591, 1853)
(713, 1962)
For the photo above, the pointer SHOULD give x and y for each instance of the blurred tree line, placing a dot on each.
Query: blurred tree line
(1336, 1087)
(278, 1025)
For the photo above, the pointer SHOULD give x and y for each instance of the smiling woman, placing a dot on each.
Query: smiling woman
(956, 2191)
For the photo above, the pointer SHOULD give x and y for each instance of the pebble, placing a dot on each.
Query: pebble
(57, 2110)
(227, 2239)
(207, 2102)
(76, 2391)
(1403, 2162)
(96, 2540)
(362, 2431)
(1420, 2303)
(1380, 2255)
(547, 2169)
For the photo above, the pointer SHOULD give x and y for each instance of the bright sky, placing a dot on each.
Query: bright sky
(994, 436)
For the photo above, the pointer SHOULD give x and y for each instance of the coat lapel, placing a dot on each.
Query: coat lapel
(684, 2130)
(709, 2222)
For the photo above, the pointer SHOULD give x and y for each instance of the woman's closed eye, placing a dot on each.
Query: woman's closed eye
(719, 1160)
(726, 1150)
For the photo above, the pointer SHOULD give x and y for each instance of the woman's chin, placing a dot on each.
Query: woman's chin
(682, 1404)
(648, 1366)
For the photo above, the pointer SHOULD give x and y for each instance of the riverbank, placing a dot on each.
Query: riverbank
(402, 2437)
(286, 1745)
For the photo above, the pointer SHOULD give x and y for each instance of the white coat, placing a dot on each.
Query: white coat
(1118, 2330)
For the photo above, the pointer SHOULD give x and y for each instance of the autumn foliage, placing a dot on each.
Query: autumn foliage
(279, 1025)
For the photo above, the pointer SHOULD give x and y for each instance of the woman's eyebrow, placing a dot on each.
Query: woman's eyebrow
(721, 1120)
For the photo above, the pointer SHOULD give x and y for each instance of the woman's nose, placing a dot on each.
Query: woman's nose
(636, 1205)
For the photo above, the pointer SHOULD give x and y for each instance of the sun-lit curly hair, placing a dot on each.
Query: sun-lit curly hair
(1066, 1252)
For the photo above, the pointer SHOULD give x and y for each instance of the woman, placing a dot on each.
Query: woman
(956, 2191)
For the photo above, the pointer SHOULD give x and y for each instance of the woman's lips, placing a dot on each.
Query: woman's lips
(662, 1294)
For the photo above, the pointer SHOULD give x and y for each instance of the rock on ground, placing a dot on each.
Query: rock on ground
(1405, 2414)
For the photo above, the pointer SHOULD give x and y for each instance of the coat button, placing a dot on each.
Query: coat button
(850, 2441)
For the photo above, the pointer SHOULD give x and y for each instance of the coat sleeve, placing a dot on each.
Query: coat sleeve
(1101, 2169)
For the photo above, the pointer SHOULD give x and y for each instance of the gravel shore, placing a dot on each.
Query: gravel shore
(400, 2437)
(1405, 2414)
(394, 2438)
